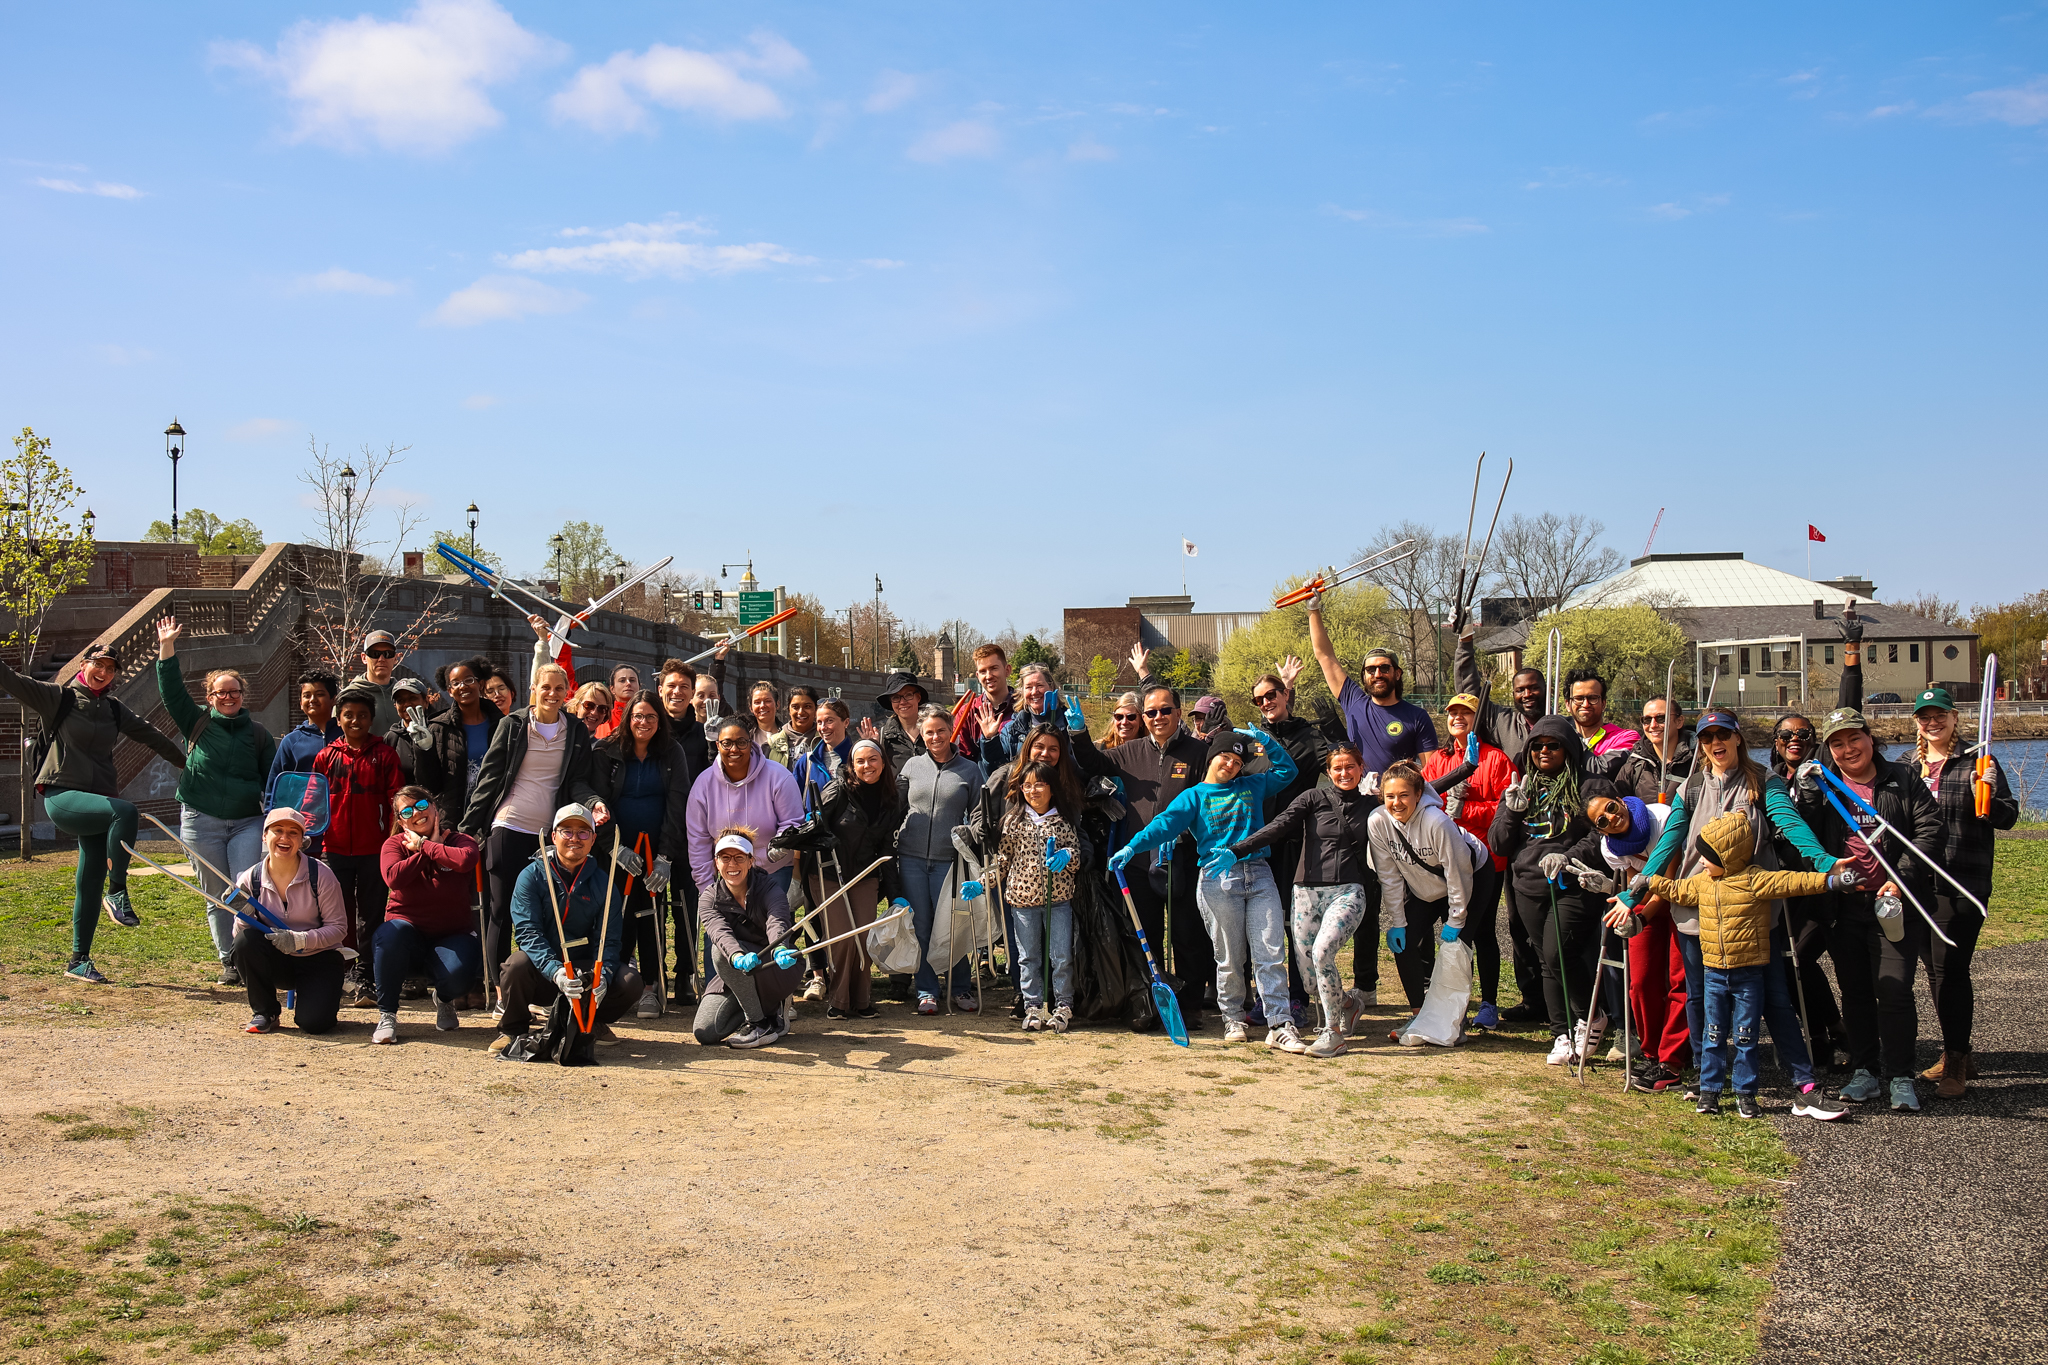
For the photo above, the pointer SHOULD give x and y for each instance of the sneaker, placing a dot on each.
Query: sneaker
(1691, 1093)
(82, 970)
(1810, 1105)
(1033, 1019)
(1488, 1017)
(1861, 1089)
(1747, 1107)
(228, 975)
(834, 1012)
(603, 1036)
(927, 1003)
(814, 989)
(756, 1035)
(260, 1023)
(1560, 1050)
(650, 1004)
(1528, 1012)
(1355, 1002)
(1329, 1043)
(365, 998)
(122, 911)
(1282, 1037)
(1654, 1075)
(1904, 1096)
(1367, 999)
(386, 1030)
(966, 1004)
(499, 1044)
(1061, 1019)
(866, 1012)
(445, 1017)
(1586, 1042)
(1709, 1105)
(1233, 1031)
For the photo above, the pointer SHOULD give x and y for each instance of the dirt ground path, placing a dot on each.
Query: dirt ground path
(903, 1189)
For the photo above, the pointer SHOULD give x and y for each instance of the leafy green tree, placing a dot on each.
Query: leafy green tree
(1357, 617)
(1029, 651)
(437, 564)
(43, 555)
(2013, 631)
(906, 659)
(1629, 646)
(1101, 673)
(213, 535)
(586, 557)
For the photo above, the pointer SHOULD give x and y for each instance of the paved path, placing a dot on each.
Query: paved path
(1925, 1238)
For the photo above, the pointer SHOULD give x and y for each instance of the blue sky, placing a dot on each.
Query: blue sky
(1001, 304)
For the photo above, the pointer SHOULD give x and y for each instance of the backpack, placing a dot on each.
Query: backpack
(46, 734)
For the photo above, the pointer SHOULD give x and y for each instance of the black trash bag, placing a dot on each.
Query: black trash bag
(574, 1046)
(1102, 979)
(1136, 1009)
(530, 1047)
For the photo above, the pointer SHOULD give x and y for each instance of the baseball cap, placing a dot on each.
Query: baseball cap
(1382, 652)
(1840, 719)
(1209, 706)
(575, 810)
(1719, 720)
(404, 686)
(1464, 699)
(1934, 696)
(99, 651)
(379, 637)
(285, 815)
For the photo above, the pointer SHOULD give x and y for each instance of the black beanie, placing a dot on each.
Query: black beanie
(1227, 741)
(1705, 849)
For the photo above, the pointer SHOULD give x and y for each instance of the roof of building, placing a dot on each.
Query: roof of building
(1705, 625)
(1723, 579)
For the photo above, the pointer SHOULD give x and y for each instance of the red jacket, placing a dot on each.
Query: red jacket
(360, 785)
(431, 889)
(1483, 790)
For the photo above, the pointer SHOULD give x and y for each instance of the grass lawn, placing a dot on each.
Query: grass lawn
(2019, 892)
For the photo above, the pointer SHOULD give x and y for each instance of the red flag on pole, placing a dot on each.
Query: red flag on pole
(1813, 532)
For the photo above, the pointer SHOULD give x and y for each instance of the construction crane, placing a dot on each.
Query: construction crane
(1653, 533)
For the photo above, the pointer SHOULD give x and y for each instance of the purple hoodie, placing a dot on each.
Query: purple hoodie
(766, 800)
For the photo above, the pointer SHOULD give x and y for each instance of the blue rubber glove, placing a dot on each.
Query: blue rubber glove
(1397, 940)
(746, 962)
(901, 904)
(1219, 862)
(1472, 747)
(969, 891)
(785, 957)
(1052, 703)
(1056, 858)
(1076, 722)
(1450, 933)
(1121, 859)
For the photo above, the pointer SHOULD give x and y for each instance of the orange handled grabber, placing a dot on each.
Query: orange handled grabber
(1328, 579)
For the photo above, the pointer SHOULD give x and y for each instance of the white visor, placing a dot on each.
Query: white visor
(732, 841)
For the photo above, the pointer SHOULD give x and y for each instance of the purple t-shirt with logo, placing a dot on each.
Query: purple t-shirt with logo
(1385, 734)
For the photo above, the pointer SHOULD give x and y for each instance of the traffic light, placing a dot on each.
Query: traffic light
(697, 600)
(718, 601)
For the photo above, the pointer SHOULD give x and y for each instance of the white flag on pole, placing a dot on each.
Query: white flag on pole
(1187, 547)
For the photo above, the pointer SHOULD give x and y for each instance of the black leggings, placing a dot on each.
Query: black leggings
(1948, 969)
(363, 897)
(506, 855)
(1528, 975)
(1810, 918)
(1878, 1008)
(1572, 933)
(1417, 961)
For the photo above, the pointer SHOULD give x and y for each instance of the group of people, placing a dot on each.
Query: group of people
(510, 842)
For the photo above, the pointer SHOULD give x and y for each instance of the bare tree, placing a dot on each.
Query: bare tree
(347, 587)
(1544, 559)
(1936, 608)
(1419, 593)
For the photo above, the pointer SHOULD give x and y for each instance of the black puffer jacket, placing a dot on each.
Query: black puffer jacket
(1523, 837)
(608, 769)
(501, 765)
(1637, 775)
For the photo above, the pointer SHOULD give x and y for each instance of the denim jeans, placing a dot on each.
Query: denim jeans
(1695, 992)
(1781, 1012)
(455, 961)
(233, 846)
(1242, 911)
(924, 886)
(1032, 923)
(1735, 997)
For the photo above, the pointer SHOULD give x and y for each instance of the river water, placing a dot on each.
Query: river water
(2025, 762)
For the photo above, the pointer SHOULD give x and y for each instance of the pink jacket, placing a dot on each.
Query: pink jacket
(765, 800)
(311, 902)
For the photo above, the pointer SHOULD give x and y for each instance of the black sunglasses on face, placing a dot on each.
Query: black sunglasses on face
(1379, 668)
(1796, 736)
(1263, 697)
(383, 654)
(1125, 717)
(1546, 746)
(1163, 711)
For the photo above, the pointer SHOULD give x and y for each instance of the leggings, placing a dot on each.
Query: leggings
(506, 855)
(1573, 935)
(1948, 969)
(101, 824)
(1323, 920)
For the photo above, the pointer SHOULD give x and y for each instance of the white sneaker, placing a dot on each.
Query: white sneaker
(1282, 1038)
(1586, 1042)
(1034, 1019)
(814, 989)
(1233, 1030)
(1367, 999)
(650, 1004)
(1355, 1002)
(756, 1035)
(386, 1030)
(1560, 1050)
(445, 1017)
(1329, 1043)
(1061, 1019)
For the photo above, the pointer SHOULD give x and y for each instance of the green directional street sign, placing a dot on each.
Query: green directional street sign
(755, 607)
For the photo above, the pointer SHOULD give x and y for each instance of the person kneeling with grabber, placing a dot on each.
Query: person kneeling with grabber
(303, 895)
(743, 914)
(1736, 901)
(565, 915)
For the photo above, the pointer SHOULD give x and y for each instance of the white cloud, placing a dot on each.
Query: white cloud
(613, 97)
(1427, 227)
(339, 281)
(257, 429)
(969, 137)
(414, 84)
(882, 263)
(1668, 212)
(2022, 106)
(1086, 148)
(1671, 211)
(106, 189)
(477, 402)
(1891, 110)
(637, 250)
(503, 298)
(893, 90)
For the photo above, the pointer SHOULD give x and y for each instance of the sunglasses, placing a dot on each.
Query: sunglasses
(1261, 698)
(1125, 717)
(1653, 720)
(1546, 746)
(1380, 668)
(1158, 711)
(416, 808)
(382, 654)
(1611, 819)
(1796, 736)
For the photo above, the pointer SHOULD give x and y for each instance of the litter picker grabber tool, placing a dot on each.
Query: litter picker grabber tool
(562, 937)
(503, 587)
(1601, 963)
(483, 932)
(734, 637)
(1799, 993)
(250, 912)
(1553, 665)
(1664, 748)
(788, 939)
(1986, 784)
(1713, 682)
(1470, 569)
(1162, 995)
(1832, 782)
(1564, 982)
(231, 899)
(889, 918)
(1330, 579)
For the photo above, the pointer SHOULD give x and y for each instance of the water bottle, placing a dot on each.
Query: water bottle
(1891, 917)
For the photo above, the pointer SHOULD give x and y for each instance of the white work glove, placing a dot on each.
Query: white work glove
(657, 877)
(1371, 785)
(1550, 865)
(1640, 887)
(292, 941)
(629, 862)
(416, 727)
(1516, 798)
(1807, 775)
(569, 986)
(603, 985)
(1592, 878)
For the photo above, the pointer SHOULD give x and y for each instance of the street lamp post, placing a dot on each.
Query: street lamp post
(878, 624)
(174, 446)
(472, 530)
(558, 542)
(347, 479)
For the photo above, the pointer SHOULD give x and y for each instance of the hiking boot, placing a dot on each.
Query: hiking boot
(1488, 1017)
(1904, 1096)
(228, 975)
(814, 989)
(1861, 1089)
(1283, 1038)
(1709, 1105)
(260, 1023)
(386, 1030)
(650, 1004)
(756, 1035)
(1953, 1082)
(1747, 1107)
(1810, 1105)
(81, 969)
(1233, 1030)
(499, 1044)
(1061, 1019)
(122, 911)
(1355, 1001)
(1033, 1020)
(1940, 1067)
(445, 1017)
(1329, 1043)
(1560, 1050)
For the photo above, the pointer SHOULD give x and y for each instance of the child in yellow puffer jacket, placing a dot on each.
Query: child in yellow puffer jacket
(1734, 900)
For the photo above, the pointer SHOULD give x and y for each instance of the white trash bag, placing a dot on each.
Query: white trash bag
(1441, 1020)
(893, 946)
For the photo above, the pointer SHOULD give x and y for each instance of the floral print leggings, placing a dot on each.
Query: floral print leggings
(1323, 921)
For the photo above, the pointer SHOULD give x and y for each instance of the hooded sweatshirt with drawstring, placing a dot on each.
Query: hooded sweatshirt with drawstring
(766, 801)
(1735, 908)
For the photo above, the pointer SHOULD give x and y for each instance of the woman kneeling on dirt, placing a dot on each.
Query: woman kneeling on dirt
(305, 956)
(743, 913)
